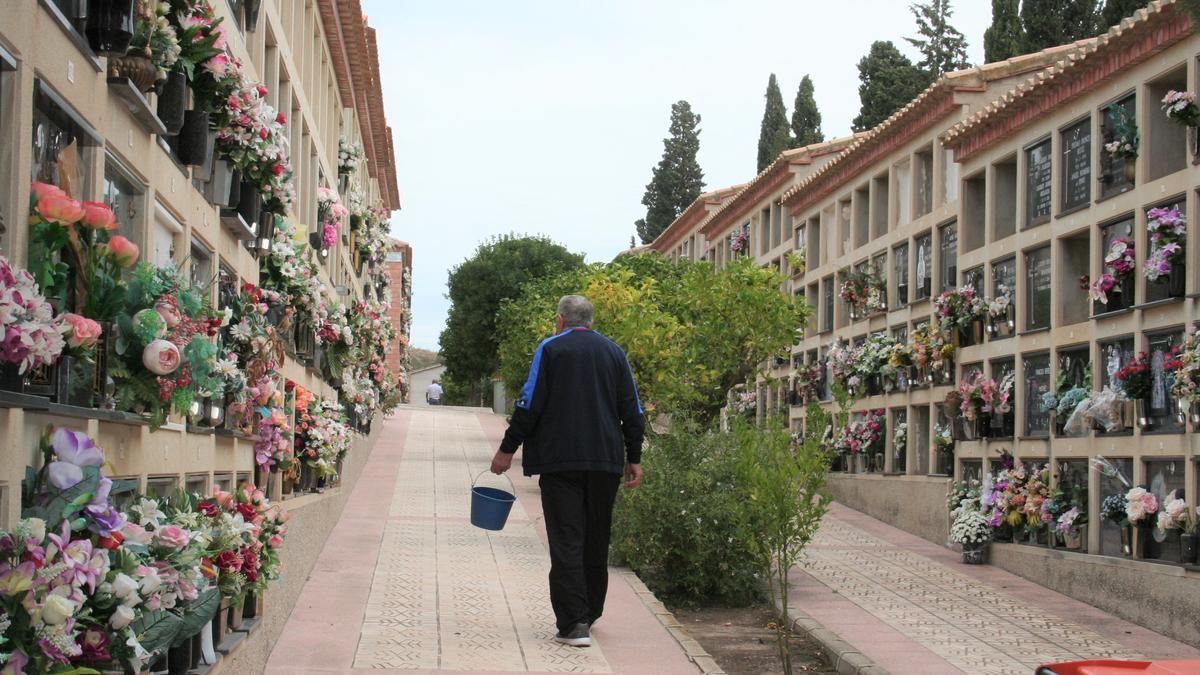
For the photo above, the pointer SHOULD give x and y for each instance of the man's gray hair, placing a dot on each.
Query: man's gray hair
(575, 310)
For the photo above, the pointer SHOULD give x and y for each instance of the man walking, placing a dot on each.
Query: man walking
(433, 393)
(582, 426)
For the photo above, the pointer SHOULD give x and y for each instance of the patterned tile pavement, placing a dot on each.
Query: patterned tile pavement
(897, 599)
(442, 595)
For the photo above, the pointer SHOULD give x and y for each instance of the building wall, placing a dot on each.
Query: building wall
(287, 51)
(399, 266)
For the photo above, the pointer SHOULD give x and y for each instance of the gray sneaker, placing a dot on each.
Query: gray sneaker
(576, 637)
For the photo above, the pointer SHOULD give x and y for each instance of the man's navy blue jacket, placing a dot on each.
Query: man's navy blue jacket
(579, 409)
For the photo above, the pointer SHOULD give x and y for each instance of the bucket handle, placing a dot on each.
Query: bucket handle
(505, 475)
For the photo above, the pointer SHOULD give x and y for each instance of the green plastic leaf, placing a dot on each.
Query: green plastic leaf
(58, 504)
(197, 614)
(157, 630)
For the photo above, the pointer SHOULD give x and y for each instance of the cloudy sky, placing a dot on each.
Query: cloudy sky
(546, 116)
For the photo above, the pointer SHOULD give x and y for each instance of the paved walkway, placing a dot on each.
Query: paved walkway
(406, 583)
(912, 607)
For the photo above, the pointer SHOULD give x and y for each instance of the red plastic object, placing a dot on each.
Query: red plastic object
(1109, 667)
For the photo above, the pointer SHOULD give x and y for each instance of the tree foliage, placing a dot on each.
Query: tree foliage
(774, 135)
(1005, 38)
(943, 48)
(691, 332)
(497, 271)
(887, 82)
(677, 180)
(806, 118)
(1049, 23)
(1115, 10)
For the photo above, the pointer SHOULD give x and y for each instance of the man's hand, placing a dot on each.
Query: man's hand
(503, 461)
(633, 475)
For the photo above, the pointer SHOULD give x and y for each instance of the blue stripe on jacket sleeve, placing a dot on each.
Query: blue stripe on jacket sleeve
(526, 400)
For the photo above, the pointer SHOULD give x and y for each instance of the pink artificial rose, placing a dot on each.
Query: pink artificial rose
(161, 357)
(125, 252)
(169, 313)
(41, 190)
(275, 541)
(83, 332)
(172, 536)
(97, 216)
(225, 499)
(59, 208)
(135, 534)
(1150, 502)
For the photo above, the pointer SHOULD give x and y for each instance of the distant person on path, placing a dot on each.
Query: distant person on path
(433, 393)
(582, 425)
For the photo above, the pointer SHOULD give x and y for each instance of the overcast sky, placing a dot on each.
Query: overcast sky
(547, 116)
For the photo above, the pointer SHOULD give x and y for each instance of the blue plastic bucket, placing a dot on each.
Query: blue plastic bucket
(490, 506)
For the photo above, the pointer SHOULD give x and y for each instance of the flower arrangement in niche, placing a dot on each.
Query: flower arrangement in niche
(1167, 229)
(31, 337)
(970, 528)
(1000, 306)
(863, 290)
(330, 213)
(154, 36)
(349, 155)
(930, 347)
(797, 261)
(943, 438)
(739, 242)
(862, 435)
(806, 380)
(1124, 143)
(1136, 379)
(841, 359)
(1140, 507)
(1113, 510)
(326, 436)
(744, 403)
(957, 308)
(1174, 513)
(1185, 386)
(900, 438)
(1180, 106)
(982, 394)
(1119, 262)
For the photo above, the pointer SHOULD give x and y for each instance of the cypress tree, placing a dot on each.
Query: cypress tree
(806, 119)
(1049, 23)
(677, 180)
(943, 48)
(1005, 38)
(1115, 10)
(774, 135)
(887, 82)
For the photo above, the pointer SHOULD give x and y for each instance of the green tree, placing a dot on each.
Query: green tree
(774, 136)
(887, 82)
(1005, 38)
(806, 118)
(692, 332)
(1115, 10)
(1049, 23)
(783, 484)
(943, 48)
(677, 180)
(476, 287)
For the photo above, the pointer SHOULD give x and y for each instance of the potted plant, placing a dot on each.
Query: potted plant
(972, 532)
(1167, 230)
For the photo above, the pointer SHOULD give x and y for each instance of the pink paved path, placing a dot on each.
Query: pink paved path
(384, 537)
(911, 607)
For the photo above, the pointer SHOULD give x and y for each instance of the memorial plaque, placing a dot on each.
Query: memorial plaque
(1077, 165)
(1037, 184)
(1037, 268)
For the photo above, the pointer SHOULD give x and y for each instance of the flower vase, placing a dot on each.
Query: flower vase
(224, 187)
(1127, 542)
(1187, 549)
(110, 25)
(859, 463)
(179, 658)
(1141, 411)
(1131, 169)
(136, 68)
(974, 554)
(874, 385)
(983, 426)
(250, 607)
(220, 622)
(249, 203)
(343, 182)
(235, 613)
(877, 462)
(158, 665)
(193, 143)
(172, 102)
(1074, 539)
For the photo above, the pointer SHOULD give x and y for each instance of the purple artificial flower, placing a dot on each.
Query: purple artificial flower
(76, 448)
(100, 498)
(103, 519)
(94, 644)
(16, 663)
(63, 474)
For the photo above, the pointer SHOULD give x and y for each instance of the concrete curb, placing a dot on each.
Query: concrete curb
(843, 656)
(695, 652)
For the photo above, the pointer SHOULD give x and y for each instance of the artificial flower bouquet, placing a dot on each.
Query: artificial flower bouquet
(1136, 379)
(806, 380)
(1167, 229)
(739, 242)
(970, 528)
(154, 36)
(861, 435)
(957, 308)
(1141, 506)
(982, 394)
(744, 403)
(327, 437)
(165, 352)
(1124, 143)
(1180, 106)
(863, 291)
(349, 155)
(1119, 263)
(330, 214)
(900, 438)
(32, 337)
(289, 269)
(841, 359)
(1185, 386)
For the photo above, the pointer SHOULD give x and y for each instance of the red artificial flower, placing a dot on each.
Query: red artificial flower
(277, 169)
(229, 561)
(113, 541)
(208, 508)
(281, 118)
(248, 511)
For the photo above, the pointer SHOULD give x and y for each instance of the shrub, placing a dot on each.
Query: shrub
(679, 530)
